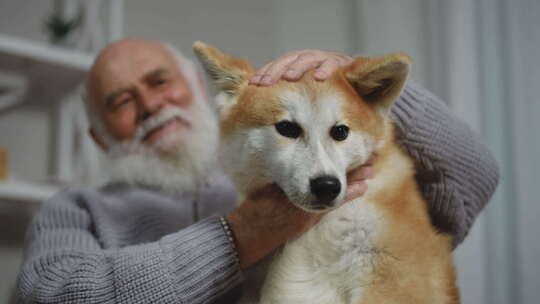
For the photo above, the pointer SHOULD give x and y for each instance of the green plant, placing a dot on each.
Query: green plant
(60, 27)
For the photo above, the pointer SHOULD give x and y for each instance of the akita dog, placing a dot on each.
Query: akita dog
(305, 136)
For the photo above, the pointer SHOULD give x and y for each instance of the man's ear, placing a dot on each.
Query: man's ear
(379, 81)
(97, 139)
(227, 73)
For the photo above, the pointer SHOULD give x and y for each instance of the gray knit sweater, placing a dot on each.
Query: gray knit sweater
(123, 244)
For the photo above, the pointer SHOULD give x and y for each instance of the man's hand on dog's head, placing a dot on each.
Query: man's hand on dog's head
(266, 220)
(293, 65)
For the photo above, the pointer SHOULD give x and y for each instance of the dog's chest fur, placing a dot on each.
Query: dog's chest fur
(328, 264)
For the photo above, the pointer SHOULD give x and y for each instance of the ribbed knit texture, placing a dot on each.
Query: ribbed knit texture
(127, 245)
(456, 172)
(121, 244)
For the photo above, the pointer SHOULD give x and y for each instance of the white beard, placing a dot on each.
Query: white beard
(190, 156)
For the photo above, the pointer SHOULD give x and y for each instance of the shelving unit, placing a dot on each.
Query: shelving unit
(16, 77)
(57, 61)
(58, 72)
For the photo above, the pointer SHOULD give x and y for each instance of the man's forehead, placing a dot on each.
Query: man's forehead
(135, 63)
(123, 65)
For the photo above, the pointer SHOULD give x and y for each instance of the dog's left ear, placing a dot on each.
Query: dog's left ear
(227, 73)
(379, 81)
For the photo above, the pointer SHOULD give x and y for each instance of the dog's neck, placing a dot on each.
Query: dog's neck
(392, 166)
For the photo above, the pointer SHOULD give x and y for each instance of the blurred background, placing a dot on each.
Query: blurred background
(479, 56)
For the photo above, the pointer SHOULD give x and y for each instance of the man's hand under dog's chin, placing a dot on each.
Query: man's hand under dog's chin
(356, 183)
(267, 219)
(356, 180)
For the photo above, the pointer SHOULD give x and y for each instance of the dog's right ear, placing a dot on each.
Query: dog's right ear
(229, 74)
(379, 81)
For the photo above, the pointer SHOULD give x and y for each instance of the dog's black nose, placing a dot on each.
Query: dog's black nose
(326, 188)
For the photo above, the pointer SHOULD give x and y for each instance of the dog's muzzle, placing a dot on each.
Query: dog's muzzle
(325, 189)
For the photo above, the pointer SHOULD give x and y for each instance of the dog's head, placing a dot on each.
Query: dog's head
(304, 136)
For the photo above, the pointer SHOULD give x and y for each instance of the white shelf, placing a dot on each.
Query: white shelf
(44, 53)
(12, 88)
(26, 191)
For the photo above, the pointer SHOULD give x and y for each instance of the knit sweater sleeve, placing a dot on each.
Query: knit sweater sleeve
(456, 172)
(65, 262)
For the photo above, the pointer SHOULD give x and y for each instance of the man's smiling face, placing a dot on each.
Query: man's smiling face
(133, 82)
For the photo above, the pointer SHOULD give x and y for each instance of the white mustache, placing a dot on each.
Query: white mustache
(160, 118)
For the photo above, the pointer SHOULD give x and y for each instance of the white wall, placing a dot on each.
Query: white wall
(241, 27)
(311, 24)
(24, 18)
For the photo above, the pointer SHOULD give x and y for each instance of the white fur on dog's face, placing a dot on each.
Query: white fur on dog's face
(261, 155)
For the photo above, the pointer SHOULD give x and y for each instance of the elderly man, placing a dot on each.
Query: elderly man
(138, 239)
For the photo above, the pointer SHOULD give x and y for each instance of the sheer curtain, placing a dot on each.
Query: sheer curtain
(489, 76)
(520, 42)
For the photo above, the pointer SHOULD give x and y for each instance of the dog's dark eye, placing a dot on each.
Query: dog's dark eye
(339, 133)
(289, 129)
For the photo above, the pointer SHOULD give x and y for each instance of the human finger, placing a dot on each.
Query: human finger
(281, 68)
(303, 63)
(371, 159)
(355, 190)
(332, 62)
(326, 69)
(256, 79)
(267, 75)
(360, 173)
